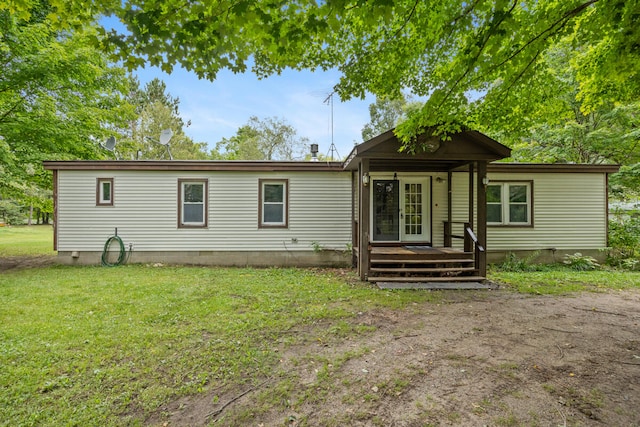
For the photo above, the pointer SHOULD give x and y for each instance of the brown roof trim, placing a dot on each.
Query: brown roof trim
(490, 149)
(195, 165)
(551, 168)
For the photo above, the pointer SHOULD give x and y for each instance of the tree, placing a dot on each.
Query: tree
(267, 139)
(55, 92)
(474, 63)
(557, 129)
(386, 114)
(157, 110)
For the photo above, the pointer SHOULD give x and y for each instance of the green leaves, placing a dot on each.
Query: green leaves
(475, 62)
(55, 91)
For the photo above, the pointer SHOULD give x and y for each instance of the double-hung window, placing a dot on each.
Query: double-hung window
(509, 203)
(273, 203)
(192, 203)
(104, 192)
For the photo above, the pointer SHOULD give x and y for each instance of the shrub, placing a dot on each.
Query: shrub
(10, 212)
(514, 264)
(624, 242)
(581, 262)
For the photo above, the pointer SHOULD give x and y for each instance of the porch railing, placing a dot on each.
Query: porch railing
(471, 243)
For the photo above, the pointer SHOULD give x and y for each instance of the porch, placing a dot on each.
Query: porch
(404, 232)
(411, 265)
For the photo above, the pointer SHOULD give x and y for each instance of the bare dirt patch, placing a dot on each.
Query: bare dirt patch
(479, 358)
(20, 262)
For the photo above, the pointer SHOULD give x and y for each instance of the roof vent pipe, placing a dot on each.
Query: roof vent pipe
(314, 152)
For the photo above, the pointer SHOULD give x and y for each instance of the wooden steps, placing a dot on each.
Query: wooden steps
(423, 261)
(433, 266)
(426, 279)
(437, 285)
(432, 270)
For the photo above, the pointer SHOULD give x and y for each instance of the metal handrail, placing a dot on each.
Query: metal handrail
(473, 237)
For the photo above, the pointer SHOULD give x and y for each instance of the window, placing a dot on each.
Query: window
(104, 192)
(192, 203)
(509, 203)
(273, 203)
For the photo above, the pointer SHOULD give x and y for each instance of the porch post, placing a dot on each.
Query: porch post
(481, 232)
(365, 208)
(448, 230)
(471, 185)
(354, 221)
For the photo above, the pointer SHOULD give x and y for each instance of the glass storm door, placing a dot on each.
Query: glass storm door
(386, 210)
(414, 215)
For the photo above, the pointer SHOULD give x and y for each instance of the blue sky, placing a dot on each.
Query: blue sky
(217, 109)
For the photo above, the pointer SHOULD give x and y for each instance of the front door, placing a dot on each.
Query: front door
(414, 214)
(386, 210)
(401, 210)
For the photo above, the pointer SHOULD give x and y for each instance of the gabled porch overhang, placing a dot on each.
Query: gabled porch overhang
(468, 151)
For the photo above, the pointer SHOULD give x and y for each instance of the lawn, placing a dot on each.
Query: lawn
(109, 346)
(112, 346)
(26, 240)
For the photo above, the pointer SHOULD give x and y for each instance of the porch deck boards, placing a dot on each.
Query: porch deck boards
(412, 250)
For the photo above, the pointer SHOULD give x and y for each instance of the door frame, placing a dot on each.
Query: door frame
(425, 181)
(427, 202)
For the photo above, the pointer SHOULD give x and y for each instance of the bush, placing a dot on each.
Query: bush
(514, 264)
(10, 212)
(581, 262)
(624, 242)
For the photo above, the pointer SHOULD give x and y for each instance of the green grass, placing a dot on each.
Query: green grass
(26, 240)
(561, 280)
(113, 346)
(110, 346)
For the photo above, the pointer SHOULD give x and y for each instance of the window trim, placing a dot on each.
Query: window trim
(285, 201)
(100, 200)
(205, 196)
(505, 206)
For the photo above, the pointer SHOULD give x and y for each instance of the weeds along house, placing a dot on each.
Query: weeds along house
(438, 215)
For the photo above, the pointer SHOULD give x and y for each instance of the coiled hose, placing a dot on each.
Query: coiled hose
(105, 252)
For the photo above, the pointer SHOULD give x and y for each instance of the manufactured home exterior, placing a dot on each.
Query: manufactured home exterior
(146, 199)
(447, 210)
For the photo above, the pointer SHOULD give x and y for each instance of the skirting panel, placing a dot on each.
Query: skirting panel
(324, 258)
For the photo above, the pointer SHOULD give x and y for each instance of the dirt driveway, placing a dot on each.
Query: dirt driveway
(480, 358)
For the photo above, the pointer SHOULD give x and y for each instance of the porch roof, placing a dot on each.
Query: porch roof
(464, 147)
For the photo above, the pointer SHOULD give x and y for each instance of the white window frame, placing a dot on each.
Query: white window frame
(505, 204)
(101, 200)
(181, 203)
(262, 223)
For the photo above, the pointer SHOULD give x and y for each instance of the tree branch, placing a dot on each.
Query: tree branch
(10, 110)
(490, 31)
(561, 21)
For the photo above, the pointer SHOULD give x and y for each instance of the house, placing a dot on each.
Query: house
(437, 215)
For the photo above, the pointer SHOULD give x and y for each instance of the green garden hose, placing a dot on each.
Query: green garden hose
(105, 252)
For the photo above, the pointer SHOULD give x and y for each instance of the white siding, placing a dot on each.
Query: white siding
(569, 212)
(439, 208)
(146, 207)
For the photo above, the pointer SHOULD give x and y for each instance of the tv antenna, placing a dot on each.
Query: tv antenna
(165, 137)
(332, 148)
(110, 145)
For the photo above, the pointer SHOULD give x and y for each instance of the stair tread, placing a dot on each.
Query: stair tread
(421, 270)
(422, 261)
(427, 279)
